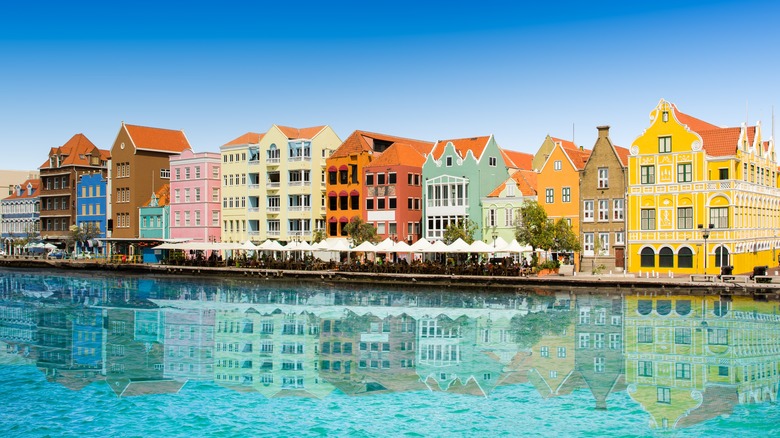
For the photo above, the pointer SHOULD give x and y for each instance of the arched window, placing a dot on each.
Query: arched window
(644, 307)
(685, 258)
(663, 307)
(647, 257)
(721, 256)
(683, 307)
(666, 258)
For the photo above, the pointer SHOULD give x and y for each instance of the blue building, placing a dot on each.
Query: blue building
(88, 338)
(91, 206)
(21, 222)
(155, 222)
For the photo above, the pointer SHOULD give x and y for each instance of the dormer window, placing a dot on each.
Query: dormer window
(449, 161)
(510, 189)
(492, 161)
(53, 161)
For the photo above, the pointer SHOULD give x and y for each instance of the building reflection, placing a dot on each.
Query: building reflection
(684, 359)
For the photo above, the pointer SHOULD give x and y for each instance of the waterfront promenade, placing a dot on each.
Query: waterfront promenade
(648, 282)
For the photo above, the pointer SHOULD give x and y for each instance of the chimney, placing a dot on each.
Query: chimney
(603, 131)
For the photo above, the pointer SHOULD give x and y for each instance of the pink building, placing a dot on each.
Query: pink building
(194, 196)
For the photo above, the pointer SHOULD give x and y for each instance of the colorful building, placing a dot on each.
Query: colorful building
(140, 160)
(20, 220)
(501, 207)
(392, 189)
(273, 184)
(91, 208)
(602, 212)
(457, 174)
(558, 185)
(701, 197)
(348, 192)
(155, 215)
(195, 196)
(59, 177)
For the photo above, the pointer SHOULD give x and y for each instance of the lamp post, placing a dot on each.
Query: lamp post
(495, 236)
(705, 233)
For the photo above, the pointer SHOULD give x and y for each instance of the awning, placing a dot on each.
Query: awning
(343, 193)
(333, 220)
(354, 193)
(332, 194)
(343, 220)
(332, 169)
(343, 167)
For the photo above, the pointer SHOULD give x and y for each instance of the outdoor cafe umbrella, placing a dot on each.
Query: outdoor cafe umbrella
(459, 245)
(481, 247)
(365, 247)
(421, 245)
(385, 245)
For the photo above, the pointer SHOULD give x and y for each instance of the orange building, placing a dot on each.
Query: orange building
(558, 183)
(345, 169)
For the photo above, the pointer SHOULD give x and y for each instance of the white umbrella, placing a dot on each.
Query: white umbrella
(459, 245)
(499, 244)
(47, 246)
(338, 245)
(481, 247)
(320, 246)
(515, 247)
(437, 247)
(421, 245)
(402, 247)
(385, 245)
(365, 247)
(248, 245)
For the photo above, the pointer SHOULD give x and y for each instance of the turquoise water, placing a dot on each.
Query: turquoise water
(502, 371)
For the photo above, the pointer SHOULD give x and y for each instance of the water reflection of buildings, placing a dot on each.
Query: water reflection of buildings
(689, 358)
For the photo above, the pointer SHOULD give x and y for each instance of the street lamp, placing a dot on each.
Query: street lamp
(705, 233)
(495, 236)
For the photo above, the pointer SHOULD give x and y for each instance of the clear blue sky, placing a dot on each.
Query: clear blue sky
(461, 69)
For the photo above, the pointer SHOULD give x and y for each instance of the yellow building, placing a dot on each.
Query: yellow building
(701, 197)
(273, 184)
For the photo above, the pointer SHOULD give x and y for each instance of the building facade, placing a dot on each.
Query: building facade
(392, 190)
(20, 220)
(603, 206)
(91, 208)
(701, 197)
(155, 216)
(59, 177)
(195, 197)
(140, 164)
(501, 207)
(457, 174)
(559, 186)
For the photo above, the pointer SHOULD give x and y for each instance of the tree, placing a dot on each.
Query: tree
(82, 233)
(533, 229)
(360, 231)
(319, 235)
(563, 238)
(460, 230)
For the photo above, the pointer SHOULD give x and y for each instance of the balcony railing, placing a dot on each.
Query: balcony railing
(274, 209)
(300, 208)
(274, 233)
(253, 233)
(254, 162)
(274, 160)
(253, 209)
(273, 185)
(253, 186)
(292, 159)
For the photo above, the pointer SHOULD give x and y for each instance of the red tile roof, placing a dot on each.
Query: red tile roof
(35, 185)
(517, 160)
(294, 133)
(724, 141)
(363, 141)
(462, 145)
(525, 180)
(163, 196)
(693, 123)
(75, 152)
(623, 154)
(565, 143)
(399, 153)
(248, 138)
(158, 139)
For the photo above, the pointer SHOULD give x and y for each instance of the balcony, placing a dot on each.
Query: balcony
(272, 161)
(273, 185)
(298, 159)
(253, 186)
(254, 162)
(274, 233)
(253, 209)
(253, 233)
(274, 209)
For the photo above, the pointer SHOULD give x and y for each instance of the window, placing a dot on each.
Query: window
(391, 204)
(549, 196)
(664, 395)
(583, 340)
(197, 172)
(682, 336)
(215, 195)
(718, 336)
(598, 364)
(647, 174)
(719, 216)
(186, 173)
(723, 173)
(369, 204)
(645, 368)
(449, 161)
(684, 172)
(587, 245)
(566, 194)
(165, 173)
(197, 193)
(603, 177)
(561, 352)
(544, 352)
(557, 165)
(369, 179)
(603, 210)
(492, 161)
(682, 371)
(391, 178)
(647, 257)
(617, 209)
(664, 145)
(491, 219)
(647, 219)
(666, 258)
(380, 179)
(178, 173)
(587, 210)
(644, 335)
(685, 218)
(604, 243)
